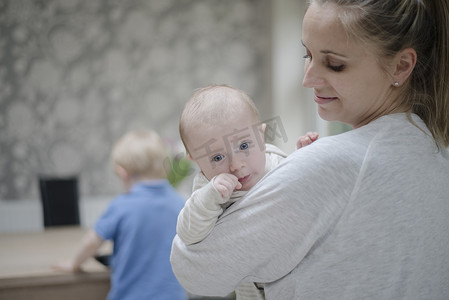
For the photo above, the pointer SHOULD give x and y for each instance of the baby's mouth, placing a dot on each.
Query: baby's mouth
(244, 179)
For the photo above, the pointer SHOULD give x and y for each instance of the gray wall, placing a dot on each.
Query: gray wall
(75, 75)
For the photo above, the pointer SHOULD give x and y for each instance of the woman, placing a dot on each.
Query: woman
(363, 214)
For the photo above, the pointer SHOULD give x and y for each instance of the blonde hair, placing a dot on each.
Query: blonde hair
(215, 104)
(141, 153)
(391, 26)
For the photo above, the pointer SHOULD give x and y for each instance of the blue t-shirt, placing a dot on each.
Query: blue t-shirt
(142, 225)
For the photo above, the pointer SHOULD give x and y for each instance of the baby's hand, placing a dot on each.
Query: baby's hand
(307, 139)
(226, 183)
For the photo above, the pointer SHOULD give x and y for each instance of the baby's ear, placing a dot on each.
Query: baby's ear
(189, 157)
(262, 128)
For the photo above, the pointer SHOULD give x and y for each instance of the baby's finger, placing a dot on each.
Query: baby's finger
(238, 186)
(303, 141)
(313, 136)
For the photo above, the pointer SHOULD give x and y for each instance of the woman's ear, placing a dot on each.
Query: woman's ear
(404, 63)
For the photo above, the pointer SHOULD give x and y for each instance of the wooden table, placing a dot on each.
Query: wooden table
(25, 267)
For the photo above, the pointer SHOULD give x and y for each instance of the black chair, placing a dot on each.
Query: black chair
(60, 199)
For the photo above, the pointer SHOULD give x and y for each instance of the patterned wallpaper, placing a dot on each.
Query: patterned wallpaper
(75, 75)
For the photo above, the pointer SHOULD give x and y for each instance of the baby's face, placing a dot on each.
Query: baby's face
(237, 148)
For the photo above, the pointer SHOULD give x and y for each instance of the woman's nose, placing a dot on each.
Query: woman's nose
(312, 76)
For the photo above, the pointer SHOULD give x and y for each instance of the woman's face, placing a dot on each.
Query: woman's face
(348, 82)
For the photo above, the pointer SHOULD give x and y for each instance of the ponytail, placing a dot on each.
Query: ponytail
(437, 118)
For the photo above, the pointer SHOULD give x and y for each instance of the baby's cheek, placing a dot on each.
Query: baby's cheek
(213, 171)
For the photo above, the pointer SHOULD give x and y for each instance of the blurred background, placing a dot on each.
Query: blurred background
(76, 75)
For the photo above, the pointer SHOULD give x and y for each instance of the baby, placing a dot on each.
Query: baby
(223, 133)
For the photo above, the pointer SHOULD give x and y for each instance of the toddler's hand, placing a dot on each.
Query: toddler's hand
(226, 183)
(307, 139)
(65, 266)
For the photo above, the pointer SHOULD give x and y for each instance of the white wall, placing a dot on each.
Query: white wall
(76, 75)
(26, 215)
(291, 101)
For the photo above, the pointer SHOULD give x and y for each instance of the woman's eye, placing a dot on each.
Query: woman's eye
(218, 158)
(338, 68)
(308, 55)
(244, 146)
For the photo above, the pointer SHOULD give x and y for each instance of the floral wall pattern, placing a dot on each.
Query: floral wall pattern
(75, 75)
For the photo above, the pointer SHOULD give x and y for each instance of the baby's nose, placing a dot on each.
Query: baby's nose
(236, 164)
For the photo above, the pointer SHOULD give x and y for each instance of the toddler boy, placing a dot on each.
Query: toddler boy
(141, 223)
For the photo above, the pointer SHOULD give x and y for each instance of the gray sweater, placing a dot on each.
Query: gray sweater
(361, 215)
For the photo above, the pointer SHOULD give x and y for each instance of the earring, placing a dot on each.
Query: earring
(396, 83)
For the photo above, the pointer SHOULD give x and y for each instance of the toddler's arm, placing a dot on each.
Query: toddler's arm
(202, 209)
(307, 139)
(89, 246)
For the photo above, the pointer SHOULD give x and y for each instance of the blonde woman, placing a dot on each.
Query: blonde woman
(360, 215)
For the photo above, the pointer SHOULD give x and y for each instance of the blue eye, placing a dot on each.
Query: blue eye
(244, 146)
(218, 158)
